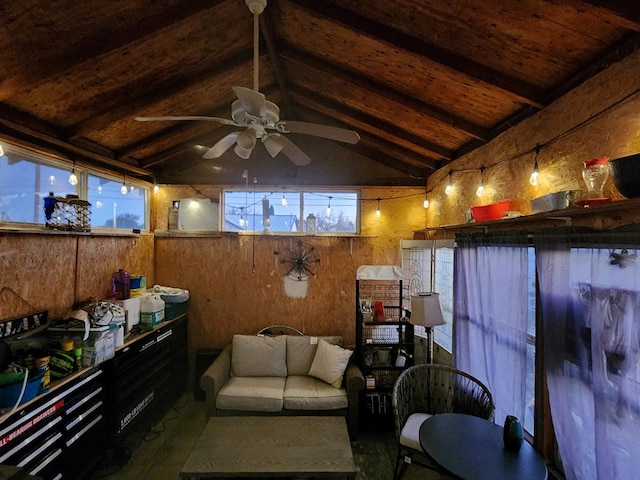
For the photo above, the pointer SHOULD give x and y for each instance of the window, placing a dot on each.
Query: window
(26, 178)
(428, 266)
(110, 208)
(286, 210)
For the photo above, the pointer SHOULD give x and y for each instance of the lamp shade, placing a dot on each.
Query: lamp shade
(426, 310)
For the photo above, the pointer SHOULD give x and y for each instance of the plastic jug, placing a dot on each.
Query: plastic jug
(151, 310)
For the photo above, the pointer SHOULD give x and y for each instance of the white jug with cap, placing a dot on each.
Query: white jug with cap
(151, 310)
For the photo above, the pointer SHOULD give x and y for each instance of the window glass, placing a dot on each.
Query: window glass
(110, 208)
(25, 182)
(286, 210)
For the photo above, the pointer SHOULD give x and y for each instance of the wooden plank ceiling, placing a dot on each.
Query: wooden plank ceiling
(421, 81)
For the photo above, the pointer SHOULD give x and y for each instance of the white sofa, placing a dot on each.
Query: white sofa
(284, 375)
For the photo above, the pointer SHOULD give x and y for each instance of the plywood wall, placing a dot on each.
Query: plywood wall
(54, 271)
(239, 284)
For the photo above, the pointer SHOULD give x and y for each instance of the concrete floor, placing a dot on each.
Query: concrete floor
(160, 453)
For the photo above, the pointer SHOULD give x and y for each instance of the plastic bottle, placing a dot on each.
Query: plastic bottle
(311, 224)
(173, 216)
(120, 285)
(151, 310)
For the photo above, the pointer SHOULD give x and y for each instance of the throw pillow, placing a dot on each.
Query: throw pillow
(329, 363)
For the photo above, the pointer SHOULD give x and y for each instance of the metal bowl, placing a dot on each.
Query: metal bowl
(625, 172)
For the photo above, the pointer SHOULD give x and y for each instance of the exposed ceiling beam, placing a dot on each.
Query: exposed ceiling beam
(625, 10)
(321, 103)
(521, 91)
(31, 133)
(407, 101)
(162, 91)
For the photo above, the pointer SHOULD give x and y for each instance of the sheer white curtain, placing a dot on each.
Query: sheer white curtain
(590, 302)
(490, 316)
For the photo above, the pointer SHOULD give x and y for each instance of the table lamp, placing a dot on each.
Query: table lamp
(426, 311)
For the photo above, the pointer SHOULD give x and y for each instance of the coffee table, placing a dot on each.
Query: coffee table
(272, 446)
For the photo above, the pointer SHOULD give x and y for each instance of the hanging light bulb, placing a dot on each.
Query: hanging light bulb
(73, 179)
(156, 187)
(480, 189)
(241, 221)
(378, 209)
(329, 207)
(284, 198)
(535, 173)
(425, 204)
(449, 188)
(123, 189)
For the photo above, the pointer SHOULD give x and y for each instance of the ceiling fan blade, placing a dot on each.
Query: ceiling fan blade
(272, 144)
(252, 102)
(324, 131)
(221, 146)
(223, 121)
(288, 148)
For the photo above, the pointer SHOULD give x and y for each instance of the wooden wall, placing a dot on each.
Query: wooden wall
(599, 118)
(239, 283)
(47, 271)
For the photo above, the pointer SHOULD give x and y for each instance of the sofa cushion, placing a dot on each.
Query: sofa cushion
(257, 394)
(301, 350)
(259, 356)
(302, 392)
(329, 363)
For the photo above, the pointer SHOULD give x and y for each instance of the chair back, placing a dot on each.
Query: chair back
(433, 388)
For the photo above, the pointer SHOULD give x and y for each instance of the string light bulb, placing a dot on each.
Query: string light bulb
(123, 189)
(329, 207)
(73, 178)
(480, 189)
(425, 204)
(378, 209)
(156, 187)
(534, 179)
(284, 199)
(449, 188)
(241, 221)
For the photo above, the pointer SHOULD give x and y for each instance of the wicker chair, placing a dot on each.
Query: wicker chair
(425, 390)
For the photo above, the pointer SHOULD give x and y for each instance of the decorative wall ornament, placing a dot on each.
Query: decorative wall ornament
(301, 260)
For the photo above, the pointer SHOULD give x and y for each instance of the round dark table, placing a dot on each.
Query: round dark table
(471, 448)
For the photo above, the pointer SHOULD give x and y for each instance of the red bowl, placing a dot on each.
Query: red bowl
(486, 213)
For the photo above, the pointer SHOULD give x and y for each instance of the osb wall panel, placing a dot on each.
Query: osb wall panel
(52, 272)
(99, 257)
(239, 284)
(599, 118)
(39, 269)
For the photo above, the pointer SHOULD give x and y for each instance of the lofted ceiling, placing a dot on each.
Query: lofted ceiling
(422, 82)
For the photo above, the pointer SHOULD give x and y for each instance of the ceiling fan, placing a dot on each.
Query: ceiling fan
(261, 118)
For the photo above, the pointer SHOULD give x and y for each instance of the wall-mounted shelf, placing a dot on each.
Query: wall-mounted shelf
(603, 216)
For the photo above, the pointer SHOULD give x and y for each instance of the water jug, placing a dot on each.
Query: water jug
(151, 310)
